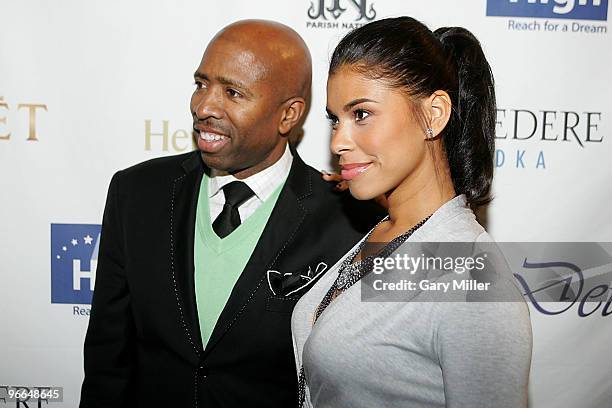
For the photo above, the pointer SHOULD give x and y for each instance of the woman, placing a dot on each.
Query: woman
(413, 119)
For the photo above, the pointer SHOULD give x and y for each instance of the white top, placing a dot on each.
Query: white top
(263, 185)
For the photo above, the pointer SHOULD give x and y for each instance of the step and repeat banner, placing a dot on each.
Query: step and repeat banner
(91, 87)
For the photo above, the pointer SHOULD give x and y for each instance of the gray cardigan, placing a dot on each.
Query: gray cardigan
(416, 353)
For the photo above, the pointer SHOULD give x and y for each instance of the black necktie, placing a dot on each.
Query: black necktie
(236, 193)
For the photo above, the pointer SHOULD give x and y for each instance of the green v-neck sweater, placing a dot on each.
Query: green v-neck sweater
(219, 262)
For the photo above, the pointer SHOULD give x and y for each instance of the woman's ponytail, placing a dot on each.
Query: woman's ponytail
(470, 139)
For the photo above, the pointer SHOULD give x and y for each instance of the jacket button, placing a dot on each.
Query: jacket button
(203, 371)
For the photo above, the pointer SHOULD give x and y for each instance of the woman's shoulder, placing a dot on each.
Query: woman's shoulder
(453, 222)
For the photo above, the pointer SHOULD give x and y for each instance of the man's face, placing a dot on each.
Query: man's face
(236, 109)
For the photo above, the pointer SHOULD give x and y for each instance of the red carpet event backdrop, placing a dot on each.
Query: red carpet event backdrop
(88, 88)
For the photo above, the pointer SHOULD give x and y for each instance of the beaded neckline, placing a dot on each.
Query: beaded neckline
(351, 272)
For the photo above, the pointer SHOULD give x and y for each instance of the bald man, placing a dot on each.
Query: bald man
(203, 255)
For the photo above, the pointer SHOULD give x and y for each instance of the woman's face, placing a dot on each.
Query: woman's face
(378, 139)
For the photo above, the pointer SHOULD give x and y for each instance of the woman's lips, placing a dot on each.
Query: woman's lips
(352, 170)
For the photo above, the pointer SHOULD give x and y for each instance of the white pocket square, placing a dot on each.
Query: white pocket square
(287, 284)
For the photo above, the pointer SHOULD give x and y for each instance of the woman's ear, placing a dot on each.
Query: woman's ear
(438, 107)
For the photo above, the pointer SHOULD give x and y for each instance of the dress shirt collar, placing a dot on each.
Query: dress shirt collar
(263, 183)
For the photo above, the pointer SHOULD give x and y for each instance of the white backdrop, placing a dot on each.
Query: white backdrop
(88, 88)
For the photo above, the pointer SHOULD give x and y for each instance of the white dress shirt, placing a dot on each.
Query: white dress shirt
(263, 185)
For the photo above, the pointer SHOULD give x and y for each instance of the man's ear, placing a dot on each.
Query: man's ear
(293, 110)
(439, 108)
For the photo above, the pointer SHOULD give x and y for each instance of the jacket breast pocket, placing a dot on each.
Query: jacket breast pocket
(280, 304)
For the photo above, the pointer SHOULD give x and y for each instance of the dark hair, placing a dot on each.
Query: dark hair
(405, 54)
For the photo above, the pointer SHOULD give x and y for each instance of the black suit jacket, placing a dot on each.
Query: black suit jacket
(143, 346)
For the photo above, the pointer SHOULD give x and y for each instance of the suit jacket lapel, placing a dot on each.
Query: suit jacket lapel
(183, 207)
(284, 223)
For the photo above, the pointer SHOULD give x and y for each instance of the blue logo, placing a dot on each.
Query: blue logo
(74, 258)
(572, 9)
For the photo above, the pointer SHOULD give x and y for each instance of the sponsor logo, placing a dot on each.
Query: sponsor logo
(160, 137)
(74, 258)
(577, 278)
(569, 9)
(527, 128)
(552, 27)
(8, 122)
(343, 14)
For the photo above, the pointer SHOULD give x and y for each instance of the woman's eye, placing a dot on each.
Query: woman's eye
(333, 121)
(360, 115)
